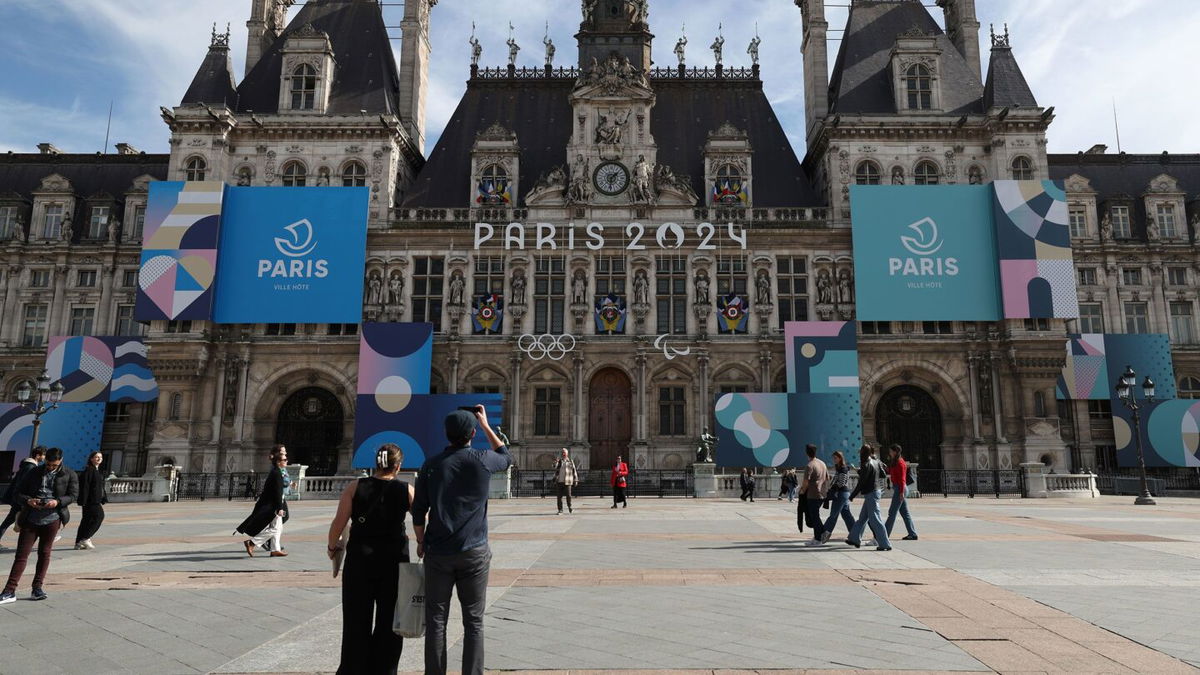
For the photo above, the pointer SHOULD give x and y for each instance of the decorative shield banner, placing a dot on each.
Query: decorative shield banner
(733, 314)
(487, 314)
(610, 315)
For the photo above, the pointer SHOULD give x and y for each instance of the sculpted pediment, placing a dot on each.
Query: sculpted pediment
(142, 183)
(1163, 183)
(1077, 183)
(55, 183)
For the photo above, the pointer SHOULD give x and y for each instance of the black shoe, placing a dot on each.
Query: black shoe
(855, 544)
(570, 510)
(911, 537)
(614, 506)
(624, 505)
(883, 548)
(38, 594)
(6, 598)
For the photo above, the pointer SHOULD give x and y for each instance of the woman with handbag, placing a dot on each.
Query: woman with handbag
(617, 479)
(838, 496)
(264, 525)
(374, 508)
(93, 495)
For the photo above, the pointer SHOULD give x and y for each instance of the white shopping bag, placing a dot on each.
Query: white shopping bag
(409, 619)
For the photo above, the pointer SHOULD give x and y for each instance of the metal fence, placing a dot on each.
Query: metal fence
(971, 482)
(1161, 479)
(201, 486)
(596, 483)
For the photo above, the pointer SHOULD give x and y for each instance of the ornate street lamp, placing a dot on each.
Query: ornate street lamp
(39, 400)
(1125, 393)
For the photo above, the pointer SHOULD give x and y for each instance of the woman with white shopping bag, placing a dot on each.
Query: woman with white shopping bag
(374, 508)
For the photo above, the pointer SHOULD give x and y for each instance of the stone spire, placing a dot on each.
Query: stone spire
(621, 26)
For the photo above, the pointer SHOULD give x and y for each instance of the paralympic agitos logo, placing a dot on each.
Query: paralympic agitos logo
(927, 242)
(297, 248)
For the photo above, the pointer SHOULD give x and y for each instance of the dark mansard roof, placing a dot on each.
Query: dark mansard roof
(1006, 85)
(365, 73)
(89, 174)
(214, 83)
(686, 110)
(1125, 178)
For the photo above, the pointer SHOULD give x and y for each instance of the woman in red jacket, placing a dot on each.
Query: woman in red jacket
(619, 471)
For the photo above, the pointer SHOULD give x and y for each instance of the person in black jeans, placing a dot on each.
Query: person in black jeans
(33, 461)
(45, 493)
(452, 491)
(374, 508)
(93, 495)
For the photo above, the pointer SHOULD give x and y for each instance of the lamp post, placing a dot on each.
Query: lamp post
(39, 400)
(1125, 392)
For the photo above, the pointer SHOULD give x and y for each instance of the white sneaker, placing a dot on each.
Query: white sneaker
(813, 542)
(57, 538)
(870, 543)
(87, 543)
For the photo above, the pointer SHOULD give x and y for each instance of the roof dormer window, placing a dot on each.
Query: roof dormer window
(918, 83)
(304, 87)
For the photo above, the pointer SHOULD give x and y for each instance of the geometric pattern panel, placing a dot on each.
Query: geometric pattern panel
(771, 430)
(75, 427)
(179, 251)
(1095, 361)
(101, 369)
(394, 361)
(821, 356)
(1037, 273)
(1170, 431)
(416, 428)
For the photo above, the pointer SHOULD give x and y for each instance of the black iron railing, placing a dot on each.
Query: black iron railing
(971, 482)
(1115, 481)
(201, 486)
(596, 483)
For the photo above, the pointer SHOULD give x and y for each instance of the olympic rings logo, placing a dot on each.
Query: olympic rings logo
(538, 347)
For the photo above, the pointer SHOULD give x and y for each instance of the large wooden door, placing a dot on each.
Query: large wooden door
(311, 426)
(610, 413)
(909, 416)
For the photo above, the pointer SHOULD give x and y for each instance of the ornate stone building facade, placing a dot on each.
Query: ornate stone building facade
(555, 187)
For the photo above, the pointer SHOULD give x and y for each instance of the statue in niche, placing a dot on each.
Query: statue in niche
(395, 290)
(897, 176)
(642, 191)
(753, 49)
(702, 289)
(68, 232)
(1106, 227)
(579, 288)
(1152, 231)
(609, 132)
(374, 289)
(323, 177)
(763, 284)
(518, 288)
(114, 227)
(641, 288)
(681, 50)
(824, 288)
(580, 190)
(457, 285)
(845, 287)
(638, 11)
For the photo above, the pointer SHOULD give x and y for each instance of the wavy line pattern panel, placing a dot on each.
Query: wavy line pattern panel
(179, 251)
(101, 369)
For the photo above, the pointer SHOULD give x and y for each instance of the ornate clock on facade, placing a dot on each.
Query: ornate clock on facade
(611, 178)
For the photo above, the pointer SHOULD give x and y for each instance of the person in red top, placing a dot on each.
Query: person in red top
(898, 473)
(619, 471)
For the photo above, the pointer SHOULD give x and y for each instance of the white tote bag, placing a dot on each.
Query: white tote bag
(409, 619)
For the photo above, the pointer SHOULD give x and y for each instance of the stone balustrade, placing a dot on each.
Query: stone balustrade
(1042, 485)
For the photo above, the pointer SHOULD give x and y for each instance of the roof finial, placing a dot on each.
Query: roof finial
(220, 39)
(1000, 41)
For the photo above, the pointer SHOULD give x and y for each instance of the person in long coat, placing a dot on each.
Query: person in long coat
(617, 479)
(93, 495)
(265, 522)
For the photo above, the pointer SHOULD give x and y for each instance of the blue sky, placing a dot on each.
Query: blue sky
(67, 59)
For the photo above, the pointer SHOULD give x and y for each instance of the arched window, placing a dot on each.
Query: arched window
(1189, 387)
(1039, 404)
(867, 173)
(1022, 169)
(195, 169)
(975, 175)
(304, 87)
(294, 174)
(176, 407)
(493, 186)
(730, 186)
(245, 176)
(918, 84)
(354, 174)
(926, 173)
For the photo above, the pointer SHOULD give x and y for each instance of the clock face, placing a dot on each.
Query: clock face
(611, 178)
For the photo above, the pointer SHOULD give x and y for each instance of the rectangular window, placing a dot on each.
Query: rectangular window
(98, 222)
(116, 413)
(731, 275)
(938, 327)
(1165, 214)
(671, 294)
(428, 276)
(1106, 457)
(52, 224)
(82, 319)
(549, 295)
(1131, 276)
(1120, 222)
(179, 327)
(1078, 220)
(489, 275)
(1177, 276)
(547, 411)
(279, 329)
(133, 229)
(129, 279)
(126, 325)
(8, 222)
(1087, 276)
(877, 327)
(342, 329)
(1091, 317)
(34, 332)
(86, 279)
(1100, 409)
(39, 278)
(485, 389)
(791, 289)
(1183, 329)
(671, 408)
(1136, 319)
(610, 277)
(1037, 324)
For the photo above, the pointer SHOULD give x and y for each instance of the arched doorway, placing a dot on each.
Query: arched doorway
(610, 414)
(909, 416)
(311, 425)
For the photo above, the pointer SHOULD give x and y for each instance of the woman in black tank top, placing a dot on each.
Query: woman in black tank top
(375, 509)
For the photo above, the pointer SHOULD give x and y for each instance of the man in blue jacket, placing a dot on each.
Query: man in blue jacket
(34, 460)
(452, 490)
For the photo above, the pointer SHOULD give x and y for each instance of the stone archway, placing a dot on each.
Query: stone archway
(910, 416)
(610, 417)
(311, 423)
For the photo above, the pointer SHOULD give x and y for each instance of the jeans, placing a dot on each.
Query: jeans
(369, 585)
(869, 515)
(791, 494)
(900, 503)
(9, 520)
(468, 572)
(44, 536)
(93, 516)
(564, 489)
(812, 509)
(840, 507)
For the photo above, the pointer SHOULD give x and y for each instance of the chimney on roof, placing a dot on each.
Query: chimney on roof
(815, 52)
(268, 18)
(415, 53)
(126, 149)
(962, 27)
(1097, 149)
(48, 149)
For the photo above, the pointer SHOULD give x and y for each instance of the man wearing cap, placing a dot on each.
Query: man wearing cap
(452, 490)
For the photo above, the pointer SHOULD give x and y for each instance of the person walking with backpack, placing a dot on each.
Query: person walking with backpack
(44, 495)
(374, 509)
(93, 495)
(838, 496)
(11, 497)
(619, 481)
(870, 474)
(898, 473)
(566, 477)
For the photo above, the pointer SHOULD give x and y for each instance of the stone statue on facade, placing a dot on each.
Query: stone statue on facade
(753, 49)
(701, 282)
(395, 289)
(681, 50)
(1152, 230)
(638, 11)
(1106, 227)
(579, 288)
(518, 288)
(580, 190)
(550, 49)
(641, 288)
(704, 451)
(476, 50)
(589, 12)
(666, 178)
(513, 48)
(556, 179)
(845, 287)
(611, 131)
(824, 288)
(374, 289)
(114, 228)
(718, 47)
(68, 232)
(763, 285)
(642, 188)
(457, 286)
(897, 176)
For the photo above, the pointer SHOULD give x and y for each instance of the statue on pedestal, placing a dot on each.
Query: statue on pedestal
(704, 451)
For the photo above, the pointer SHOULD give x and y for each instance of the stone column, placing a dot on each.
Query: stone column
(514, 408)
(705, 405)
(218, 399)
(577, 405)
(1162, 314)
(243, 388)
(972, 366)
(639, 387)
(56, 303)
(12, 330)
(997, 402)
(1115, 322)
(104, 309)
(454, 363)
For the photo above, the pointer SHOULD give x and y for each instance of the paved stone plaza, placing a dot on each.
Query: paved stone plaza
(665, 585)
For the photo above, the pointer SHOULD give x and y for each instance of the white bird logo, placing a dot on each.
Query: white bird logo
(299, 244)
(669, 351)
(928, 242)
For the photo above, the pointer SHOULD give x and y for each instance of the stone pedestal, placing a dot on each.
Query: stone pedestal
(914, 490)
(704, 483)
(1035, 480)
(296, 472)
(500, 486)
(164, 482)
